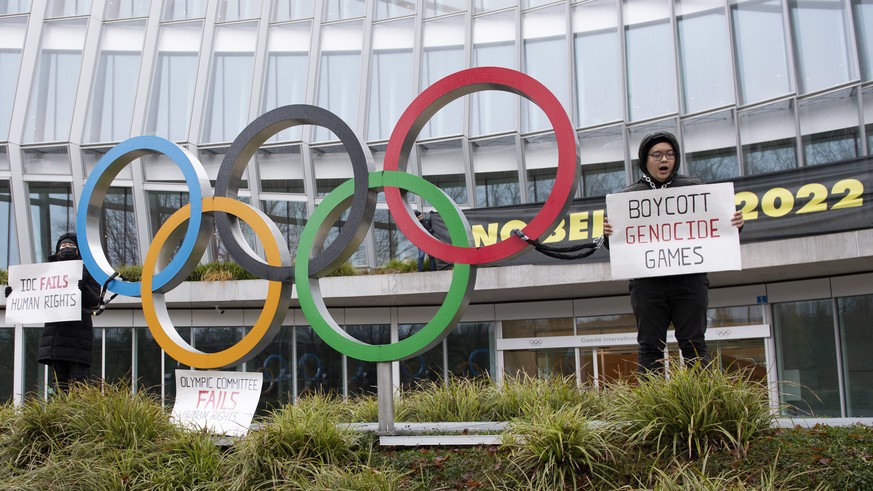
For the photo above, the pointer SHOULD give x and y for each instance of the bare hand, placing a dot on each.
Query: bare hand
(737, 219)
(607, 228)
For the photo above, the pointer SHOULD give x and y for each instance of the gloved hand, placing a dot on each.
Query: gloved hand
(8, 291)
(81, 285)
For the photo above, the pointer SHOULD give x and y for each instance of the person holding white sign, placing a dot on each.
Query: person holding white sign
(680, 299)
(66, 345)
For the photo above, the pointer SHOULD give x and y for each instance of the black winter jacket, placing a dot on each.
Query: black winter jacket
(71, 341)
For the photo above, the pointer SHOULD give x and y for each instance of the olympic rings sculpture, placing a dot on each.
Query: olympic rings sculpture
(165, 268)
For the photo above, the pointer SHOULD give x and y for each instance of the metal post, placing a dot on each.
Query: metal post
(385, 397)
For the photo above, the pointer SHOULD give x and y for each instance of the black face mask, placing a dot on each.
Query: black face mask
(68, 253)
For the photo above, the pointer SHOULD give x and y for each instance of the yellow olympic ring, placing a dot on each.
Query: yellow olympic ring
(272, 315)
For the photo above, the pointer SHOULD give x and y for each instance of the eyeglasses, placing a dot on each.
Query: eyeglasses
(661, 155)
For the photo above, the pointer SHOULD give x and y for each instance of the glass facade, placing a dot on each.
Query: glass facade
(749, 87)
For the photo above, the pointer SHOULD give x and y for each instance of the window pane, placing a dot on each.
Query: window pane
(119, 355)
(704, 55)
(768, 137)
(470, 347)
(485, 5)
(9, 247)
(227, 107)
(66, 8)
(174, 78)
(603, 179)
(344, 9)
(762, 61)
(340, 75)
(443, 53)
(125, 9)
(52, 98)
(544, 35)
(184, 9)
(440, 7)
(540, 160)
(318, 366)
(494, 45)
(495, 164)
(541, 363)
(14, 6)
(118, 228)
(537, 328)
(12, 42)
(386, 9)
(287, 66)
(863, 15)
(829, 127)
(238, 9)
(711, 147)
(7, 368)
(390, 76)
(290, 217)
(46, 161)
(856, 331)
(427, 366)
(362, 374)
(51, 214)
(444, 164)
(807, 358)
(391, 243)
(114, 91)
(149, 376)
(281, 170)
(820, 44)
(292, 9)
(162, 204)
(651, 70)
(599, 89)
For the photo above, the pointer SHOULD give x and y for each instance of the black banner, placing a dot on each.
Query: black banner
(822, 199)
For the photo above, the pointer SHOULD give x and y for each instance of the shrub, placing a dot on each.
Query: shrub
(525, 394)
(693, 409)
(4, 277)
(459, 400)
(398, 266)
(556, 448)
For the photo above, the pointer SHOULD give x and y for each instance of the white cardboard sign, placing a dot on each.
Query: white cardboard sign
(44, 292)
(663, 232)
(224, 403)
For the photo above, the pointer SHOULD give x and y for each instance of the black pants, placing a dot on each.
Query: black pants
(67, 372)
(656, 303)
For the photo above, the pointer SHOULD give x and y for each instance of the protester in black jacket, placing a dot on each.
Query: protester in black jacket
(678, 299)
(66, 346)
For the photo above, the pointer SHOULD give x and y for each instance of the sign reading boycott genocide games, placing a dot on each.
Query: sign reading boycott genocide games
(44, 292)
(673, 231)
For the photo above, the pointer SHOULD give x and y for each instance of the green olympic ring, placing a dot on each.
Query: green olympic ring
(309, 292)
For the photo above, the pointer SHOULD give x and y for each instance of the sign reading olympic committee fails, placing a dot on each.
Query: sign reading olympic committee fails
(44, 292)
(673, 231)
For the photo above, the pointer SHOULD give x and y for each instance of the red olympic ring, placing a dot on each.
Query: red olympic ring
(435, 98)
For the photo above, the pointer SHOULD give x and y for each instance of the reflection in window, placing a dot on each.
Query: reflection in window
(539, 184)
(238, 9)
(292, 9)
(13, 30)
(768, 137)
(14, 6)
(454, 185)
(603, 179)
(318, 366)
(806, 358)
(9, 247)
(741, 315)
(149, 376)
(332, 166)
(443, 54)
(497, 189)
(597, 62)
(362, 374)
(230, 88)
(344, 9)
(710, 147)
(856, 336)
(287, 67)
(390, 76)
(704, 55)
(184, 9)
(162, 204)
(52, 98)
(544, 38)
(540, 160)
(537, 328)
(651, 66)
(114, 90)
(51, 214)
(118, 355)
(339, 80)
(762, 60)
(67, 8)
(391, 243)
(427, 366)
(47, 161)
(606, 324)
(440, 7)
(829, 127)
(540, 363)
(126, 9)
(118, 228)
(470, 346)
(863, 16)
(175, 74)
(290, 217)
(7, 368)
(387, 9)
(493, 45)
(495, 163)
(820, 44)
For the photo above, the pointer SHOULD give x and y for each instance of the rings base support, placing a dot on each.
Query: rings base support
(385, 397)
